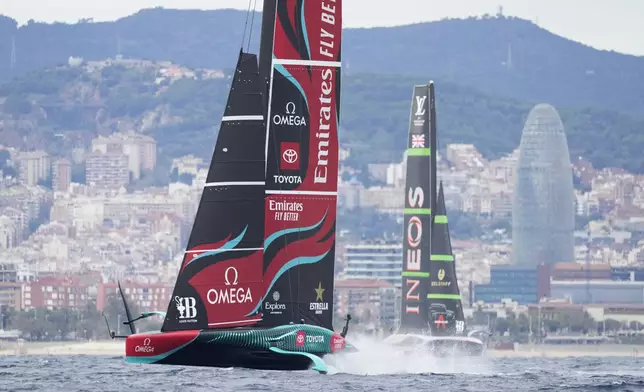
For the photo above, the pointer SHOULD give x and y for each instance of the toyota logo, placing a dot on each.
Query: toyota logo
(289, 156)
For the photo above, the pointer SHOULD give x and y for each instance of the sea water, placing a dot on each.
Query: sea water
(376, 367)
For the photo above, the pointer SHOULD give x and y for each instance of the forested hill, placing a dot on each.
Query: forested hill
(501, 56)
(60, 108)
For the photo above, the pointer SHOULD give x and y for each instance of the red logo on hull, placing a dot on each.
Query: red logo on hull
(289, 156)
(300, 337)
(148, 345)
(337, 343)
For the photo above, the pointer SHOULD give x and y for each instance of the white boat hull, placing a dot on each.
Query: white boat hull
(438, 345)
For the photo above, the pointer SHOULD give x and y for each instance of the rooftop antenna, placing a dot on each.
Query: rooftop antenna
(118, 46)
(12, 63)
(588, 240)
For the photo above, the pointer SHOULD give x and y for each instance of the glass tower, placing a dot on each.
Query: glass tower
(543, 207)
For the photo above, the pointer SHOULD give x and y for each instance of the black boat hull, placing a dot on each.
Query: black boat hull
(287, 347)
(226, 356)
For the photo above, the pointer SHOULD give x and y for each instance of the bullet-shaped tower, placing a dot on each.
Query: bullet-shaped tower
(543, 207)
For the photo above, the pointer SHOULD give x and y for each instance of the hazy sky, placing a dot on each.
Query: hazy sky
(604, 24)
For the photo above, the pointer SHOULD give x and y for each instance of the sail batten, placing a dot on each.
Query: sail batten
(243, 117)
(235, 183)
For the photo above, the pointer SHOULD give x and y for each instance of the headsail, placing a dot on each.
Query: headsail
(302, 164)
(444, 298)
(417, 213)
(220, 280)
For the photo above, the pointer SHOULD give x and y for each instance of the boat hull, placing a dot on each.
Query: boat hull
(290, 347)
(438, 345)
(455, 346)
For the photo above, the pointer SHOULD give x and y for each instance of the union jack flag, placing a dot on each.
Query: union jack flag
(417, 141)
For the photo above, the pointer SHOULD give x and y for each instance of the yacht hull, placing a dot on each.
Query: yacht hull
(457, 346)
(438, 345)
(289, 347)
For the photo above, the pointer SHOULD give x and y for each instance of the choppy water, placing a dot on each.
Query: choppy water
(373, 369)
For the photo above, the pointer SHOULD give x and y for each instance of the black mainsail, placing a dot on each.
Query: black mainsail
(220, 279)
(444, 298)
(417, 214)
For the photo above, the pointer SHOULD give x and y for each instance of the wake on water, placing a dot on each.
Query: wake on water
(378, 358)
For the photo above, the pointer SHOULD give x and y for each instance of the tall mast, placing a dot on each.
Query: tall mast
(266, 42)
(433, 148)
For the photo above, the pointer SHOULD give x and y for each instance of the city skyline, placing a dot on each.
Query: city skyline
(619, 20)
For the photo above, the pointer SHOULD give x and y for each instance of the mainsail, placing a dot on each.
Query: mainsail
(302, 164)
(417, 214)
(444, 298)
(220, 280)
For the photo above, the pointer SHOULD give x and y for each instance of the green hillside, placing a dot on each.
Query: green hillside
(472, 52)
(59, 108)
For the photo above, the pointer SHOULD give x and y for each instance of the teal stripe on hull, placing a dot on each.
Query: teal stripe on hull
(318, 364)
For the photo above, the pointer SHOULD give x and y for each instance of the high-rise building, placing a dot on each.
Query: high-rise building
(107, 170)
(141, 150)
(373, 302)
(543, 206)
(374, 261)
(33, 166)
(61, 175)
(10, 288)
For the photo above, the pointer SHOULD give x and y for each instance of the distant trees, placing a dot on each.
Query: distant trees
(5, 156)
(518, 327)
(63, 324)
(375, 123)
(48, 81)
(16, 105)
(78, 173)
(69, 324)
(545, 66)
